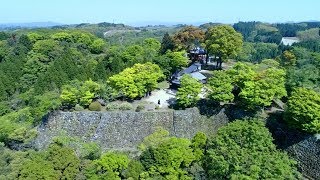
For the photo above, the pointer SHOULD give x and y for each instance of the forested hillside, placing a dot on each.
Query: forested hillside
(108, 67)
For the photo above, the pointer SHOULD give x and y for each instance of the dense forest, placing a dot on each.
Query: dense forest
(105, 66)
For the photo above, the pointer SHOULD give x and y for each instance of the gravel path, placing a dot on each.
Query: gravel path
(161, 95)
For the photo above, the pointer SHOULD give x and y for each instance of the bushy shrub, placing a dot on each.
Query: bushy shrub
(125, 106)
(112, 106)
(140, 107)
(78, 108)
(95, 106)
(119, 106)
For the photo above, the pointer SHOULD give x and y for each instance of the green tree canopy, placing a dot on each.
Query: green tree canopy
(244, 150)
(98, 46)
(36, 167)
(109, 166)
(133, 54)
(47, 47)
(303, 110)
(188, 93)
(136, 81)
(255, 52)
(167, 43)
(58, 162)
(198, 144)
(255, 85)
(153, 140)
(169, 159)
(62, 36)
(35, 37)
(84, 38)
(220, 87)
(151, 43)
(79, 93)
(268, 84)
(223, 41)
(177, 59)
(25, 41)
(188, 37)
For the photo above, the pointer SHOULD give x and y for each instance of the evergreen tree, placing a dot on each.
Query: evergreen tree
(166, 44)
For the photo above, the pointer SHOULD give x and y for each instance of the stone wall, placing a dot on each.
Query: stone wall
(125, 130)
(303, 147)
(307, 153)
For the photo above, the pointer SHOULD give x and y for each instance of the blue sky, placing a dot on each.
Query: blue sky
(157, 11)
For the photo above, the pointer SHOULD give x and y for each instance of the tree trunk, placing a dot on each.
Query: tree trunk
(207, 58)
(220, 62)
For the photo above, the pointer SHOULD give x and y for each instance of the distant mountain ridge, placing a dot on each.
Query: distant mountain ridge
(29, 25)
(137, 25)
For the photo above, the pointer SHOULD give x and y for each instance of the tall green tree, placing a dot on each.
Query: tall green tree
(133, 54)
(4, 35)
(223, 41)
(254, 85)
(177, 60)
(188, 38)
(220, 87)
(151, 49)
(36, 167)
(166, 44)
(4, 50)
(267, 85)
(169, 159)
(136, 81)
(79, 93)
(64, 161)
(188, 93)
(109, 166)
(198, 144)
(244, 150)
(151, 43)
(303, 110)
(33, 36)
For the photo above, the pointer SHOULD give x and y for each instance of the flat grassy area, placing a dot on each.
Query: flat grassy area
(163, 85)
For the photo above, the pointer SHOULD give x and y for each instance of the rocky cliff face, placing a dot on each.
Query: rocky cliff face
(125, 130)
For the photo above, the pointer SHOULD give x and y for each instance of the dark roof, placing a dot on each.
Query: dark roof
(198, 76)
(193, 68)
(198, 50)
